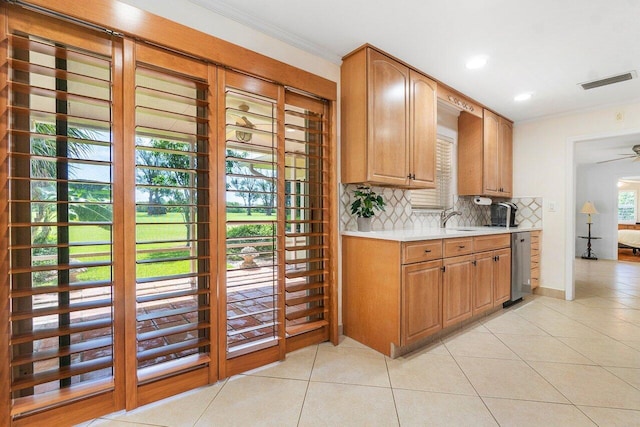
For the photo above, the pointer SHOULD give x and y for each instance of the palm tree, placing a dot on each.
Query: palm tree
(45, 191)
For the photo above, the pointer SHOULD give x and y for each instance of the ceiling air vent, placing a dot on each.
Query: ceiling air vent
(608, 80)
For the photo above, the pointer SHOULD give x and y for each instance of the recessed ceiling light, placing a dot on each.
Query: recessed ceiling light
(522, 97)
(477, 61)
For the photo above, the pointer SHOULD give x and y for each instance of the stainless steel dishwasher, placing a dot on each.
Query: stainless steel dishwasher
(520, 266)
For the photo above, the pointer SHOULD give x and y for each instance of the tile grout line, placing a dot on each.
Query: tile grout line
(226, 381)
(306, 390)
(594, 330)
(588, 326)
(470, 383)
(536, 371)
(393, 394)
(619, 377)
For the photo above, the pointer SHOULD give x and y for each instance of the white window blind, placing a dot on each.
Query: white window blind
(438, 197)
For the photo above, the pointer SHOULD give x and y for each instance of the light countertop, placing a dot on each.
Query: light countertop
(431, 233)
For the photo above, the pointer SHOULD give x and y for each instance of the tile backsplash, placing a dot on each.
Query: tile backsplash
(400, 215)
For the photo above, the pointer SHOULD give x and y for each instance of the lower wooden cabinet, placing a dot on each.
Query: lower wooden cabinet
(490, 282)
(421, 300)
(492, 271)
(502, 276)
(395, 294)
(457, 286)
(484, 266)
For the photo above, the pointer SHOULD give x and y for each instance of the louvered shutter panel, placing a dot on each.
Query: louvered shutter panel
(252, 244)
(61, 217)
(306, 222)
(172, 257)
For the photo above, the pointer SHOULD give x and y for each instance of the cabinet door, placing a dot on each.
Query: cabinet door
(505, 143)
(421, 300)
(457, 280)
(491, 151)
(388, 128)
(422, 122)
(502, 276)
(483, 282)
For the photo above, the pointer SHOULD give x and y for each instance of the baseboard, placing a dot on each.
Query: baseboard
(548, 292)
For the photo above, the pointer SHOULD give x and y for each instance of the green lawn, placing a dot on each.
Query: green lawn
(172, 229)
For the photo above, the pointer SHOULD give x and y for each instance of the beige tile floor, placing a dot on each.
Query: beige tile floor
(544, 362)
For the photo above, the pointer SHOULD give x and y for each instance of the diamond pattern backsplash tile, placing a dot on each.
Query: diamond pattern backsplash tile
(399, 214)
(529, 212)
(396, 216)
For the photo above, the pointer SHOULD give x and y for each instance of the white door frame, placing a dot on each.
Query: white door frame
(570, 202)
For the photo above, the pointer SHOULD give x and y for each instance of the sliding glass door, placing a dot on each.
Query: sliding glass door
(166, 221)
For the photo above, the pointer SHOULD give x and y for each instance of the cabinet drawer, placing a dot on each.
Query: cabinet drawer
(491, 242)
(421, 251)
(460, 246)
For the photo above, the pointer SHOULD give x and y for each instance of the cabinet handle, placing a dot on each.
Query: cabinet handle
(409, 176)
(426, 251)
(461, 247)
(474, 262)
(443, 268)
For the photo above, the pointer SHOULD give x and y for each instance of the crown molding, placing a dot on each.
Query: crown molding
(255, 22)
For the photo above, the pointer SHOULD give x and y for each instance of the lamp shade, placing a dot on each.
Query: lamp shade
(588, 208)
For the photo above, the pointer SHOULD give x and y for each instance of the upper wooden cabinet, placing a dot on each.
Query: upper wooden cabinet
(388, 122)
(485, 159)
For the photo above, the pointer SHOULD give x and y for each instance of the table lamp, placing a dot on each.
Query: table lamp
(588, 208)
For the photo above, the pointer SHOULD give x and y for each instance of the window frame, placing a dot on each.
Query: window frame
(445, 204)
(634, 206)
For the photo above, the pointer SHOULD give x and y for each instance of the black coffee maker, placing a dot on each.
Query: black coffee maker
(503, 214)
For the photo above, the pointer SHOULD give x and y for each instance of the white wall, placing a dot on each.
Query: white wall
(543, 166)
(598, 183)
(204, 20)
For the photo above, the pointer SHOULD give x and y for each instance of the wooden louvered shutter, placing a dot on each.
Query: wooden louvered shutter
(306, 219)
(172, 211)
(60, 215)
(253, 246)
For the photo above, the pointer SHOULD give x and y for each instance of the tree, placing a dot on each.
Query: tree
(246, 189)
(170, 177)
(250, 184)
(267, 194)
(46, 167)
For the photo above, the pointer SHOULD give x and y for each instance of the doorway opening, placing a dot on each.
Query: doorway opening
(628, 225)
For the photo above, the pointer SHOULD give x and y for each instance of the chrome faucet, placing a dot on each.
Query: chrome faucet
(444, 216)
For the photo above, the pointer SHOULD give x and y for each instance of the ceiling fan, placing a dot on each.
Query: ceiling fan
(635, 157)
